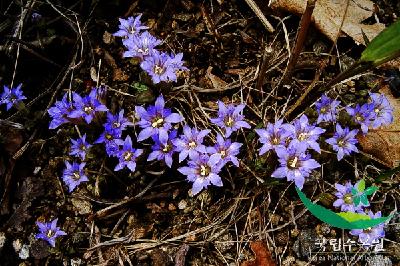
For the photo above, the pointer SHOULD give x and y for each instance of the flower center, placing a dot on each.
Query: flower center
(83, 147)
(368, 230)
(223, 153)
(377, 110)
(229, 121)
(204, 170)
(116, 124)
(192, 144)
(132, 30)
(157, 122)
(348, 198)
(88, 109)
(293, 163)
(303, 136)
(76, 175)
(158, 70)
(108, 136)
(144, 51)
(323, 110)
(359, 117)
(50, 233)
(275, 140)
(340, 142)
(128, 156)
(166, 148)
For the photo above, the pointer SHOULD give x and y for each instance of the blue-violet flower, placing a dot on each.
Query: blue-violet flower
(295, 164)
(326, 109)
(343, 141)
(202, 170)
(49, 232)
(156, 119)
(74, 174)
(127, 155)
(230, 118)
(79, 147)
(190, 142)
(11, 97)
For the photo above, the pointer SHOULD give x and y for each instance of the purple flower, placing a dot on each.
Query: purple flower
(59, 112)
(159, 67)
(229, 118)
(141, 45)
(295, 164)
(190, 143)
(326, 109)
(306, 134)
(11, 97)
(130, 26)
(79, 147)
(73, 175)
(87, 106)
(176, 62)
(110, 138)
(369, 236)
(49, 232)
(156, 119)
(163, 148)
(275, 135)
(225, 151)
(343, 141)
(118, 121)
(345, 198)
(382, 112)
(127, 155)
(362, 115)
(202, 170)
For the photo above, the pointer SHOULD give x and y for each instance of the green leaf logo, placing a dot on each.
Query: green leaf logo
(344, 220)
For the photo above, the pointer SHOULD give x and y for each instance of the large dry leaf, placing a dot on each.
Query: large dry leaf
(384, 143)
(263, 256)
(328, 16)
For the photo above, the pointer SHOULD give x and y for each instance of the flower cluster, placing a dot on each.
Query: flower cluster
(80, 108)
(141, 44)
(291, 142)
(204, 162)
(348, 200)
(375, 113)
(11, 96)
(49, 232)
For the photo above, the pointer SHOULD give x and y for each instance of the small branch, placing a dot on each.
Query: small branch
(260, 15)
(300, 39)
(263, 69)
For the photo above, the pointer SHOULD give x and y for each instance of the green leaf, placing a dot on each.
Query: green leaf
(333, 219)
(364, 199)
(357, 200)
(384, 47)
(370, 190)
(354, 191)
(352, 216)
(361, 185)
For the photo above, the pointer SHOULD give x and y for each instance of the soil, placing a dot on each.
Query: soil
(150, 217)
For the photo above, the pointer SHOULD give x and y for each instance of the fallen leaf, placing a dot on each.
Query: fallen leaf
(263, 256)
(384, 143)
(216, 82)
(328, 16)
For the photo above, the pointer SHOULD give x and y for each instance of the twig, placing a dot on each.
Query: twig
(263, 69)
(260, 15)
(319, 71)
(300, 38)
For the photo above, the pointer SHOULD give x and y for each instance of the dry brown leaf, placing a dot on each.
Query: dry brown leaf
(328, 16)
(263, 256)
(384, 143)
